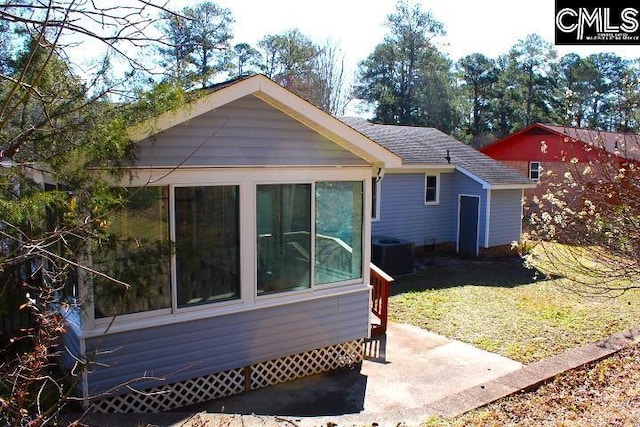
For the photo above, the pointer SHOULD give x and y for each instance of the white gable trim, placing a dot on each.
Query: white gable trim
(193, 109)
(487, 225)
(282, 99)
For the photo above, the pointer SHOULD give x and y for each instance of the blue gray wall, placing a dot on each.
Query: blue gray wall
(196, 348)
(404, 215)
(506, 217)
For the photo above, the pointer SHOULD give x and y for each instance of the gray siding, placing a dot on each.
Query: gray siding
(71, 340)
(247, 131)
(506, 217)
(404, 215)
(191, 349)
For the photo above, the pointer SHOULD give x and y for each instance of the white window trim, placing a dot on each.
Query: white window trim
(538, 170)
(424, 196)
(247, 180)
(377, 182)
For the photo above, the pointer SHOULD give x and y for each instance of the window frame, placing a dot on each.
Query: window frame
(313, 287)
(311, 242)
(174, 267)
(247, 180)
(376, 187)
(107, 320)
(536, 170)
(426, 188)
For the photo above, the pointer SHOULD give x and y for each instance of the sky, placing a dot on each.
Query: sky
(491, 27)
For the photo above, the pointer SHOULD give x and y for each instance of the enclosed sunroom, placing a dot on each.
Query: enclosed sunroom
(245, 240)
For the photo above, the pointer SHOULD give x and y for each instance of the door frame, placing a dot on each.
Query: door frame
(477, 246)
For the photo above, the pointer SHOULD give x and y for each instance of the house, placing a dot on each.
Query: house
(445, 194)
(247, 249)
(544, 153)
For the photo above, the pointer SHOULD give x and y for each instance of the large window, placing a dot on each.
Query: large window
(284, 237)
(207, 240)
(307, 234)
(136, 251)
(338, 241)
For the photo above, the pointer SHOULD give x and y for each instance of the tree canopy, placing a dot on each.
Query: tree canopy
(198, 43)
(406, 76)
(56, 123)
(408, 79)
(313, 71)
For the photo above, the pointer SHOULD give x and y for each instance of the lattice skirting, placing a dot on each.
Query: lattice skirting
(221, 384)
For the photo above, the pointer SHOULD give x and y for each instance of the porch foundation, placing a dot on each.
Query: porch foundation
(235, 381)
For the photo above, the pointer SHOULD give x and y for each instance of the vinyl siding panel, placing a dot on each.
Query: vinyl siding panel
(71, 341)
(404, 215)
(245, 132)
(196, 348)
(506, 217)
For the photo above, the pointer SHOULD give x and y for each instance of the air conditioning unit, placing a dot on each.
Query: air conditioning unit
(393, 256)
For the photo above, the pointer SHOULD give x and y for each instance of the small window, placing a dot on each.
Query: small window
(431, 189)
(534, 170)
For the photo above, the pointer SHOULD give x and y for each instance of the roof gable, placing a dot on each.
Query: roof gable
(280, 98)
(623, 145)
(246, 132)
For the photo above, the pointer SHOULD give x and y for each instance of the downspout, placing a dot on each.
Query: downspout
(487, 219)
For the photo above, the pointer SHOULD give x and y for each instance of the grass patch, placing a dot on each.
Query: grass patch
(588, 269)
(503, 307)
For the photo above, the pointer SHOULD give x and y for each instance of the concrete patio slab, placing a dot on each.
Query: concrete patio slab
(403, 371)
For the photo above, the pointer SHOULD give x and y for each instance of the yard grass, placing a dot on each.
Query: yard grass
(503, 307)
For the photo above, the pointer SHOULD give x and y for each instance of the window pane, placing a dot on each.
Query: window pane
(534, 170)
(284, 237)
(432, 185)
(339, 210)
(207, 244)
(137, 251)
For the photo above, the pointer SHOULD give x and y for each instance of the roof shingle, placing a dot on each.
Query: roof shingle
(429, 146)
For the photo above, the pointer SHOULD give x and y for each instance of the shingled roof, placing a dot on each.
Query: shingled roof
(422, 146)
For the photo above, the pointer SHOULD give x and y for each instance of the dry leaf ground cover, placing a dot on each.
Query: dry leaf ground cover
(606, 393)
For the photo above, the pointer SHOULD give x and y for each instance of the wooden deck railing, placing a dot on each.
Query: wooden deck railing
(380, 282)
